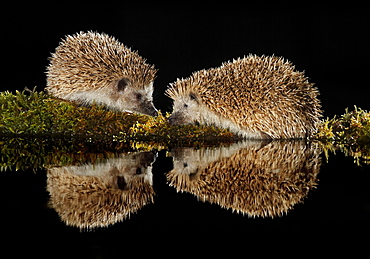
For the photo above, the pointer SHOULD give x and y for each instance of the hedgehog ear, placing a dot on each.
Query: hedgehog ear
(121, 183)
(122, 84)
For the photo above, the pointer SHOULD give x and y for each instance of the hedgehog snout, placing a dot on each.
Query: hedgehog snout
(146, 107)
(172, 120)
(155, 113)
(178, 118)
(152, 111)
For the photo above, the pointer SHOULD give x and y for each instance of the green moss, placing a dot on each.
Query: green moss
(350, 128)
(349, 133)
(37, 130)
(33, 123)
(32, 113)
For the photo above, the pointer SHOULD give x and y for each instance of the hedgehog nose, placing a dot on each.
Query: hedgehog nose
(152, 111)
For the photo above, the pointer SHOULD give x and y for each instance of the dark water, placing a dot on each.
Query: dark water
(278, 198)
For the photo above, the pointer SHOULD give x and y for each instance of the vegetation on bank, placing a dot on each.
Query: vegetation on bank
(353, 127)
(32, 113)
(349, 133)
(37, 130)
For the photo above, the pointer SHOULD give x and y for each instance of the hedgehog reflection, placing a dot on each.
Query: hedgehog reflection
(252, 178)
(101, 194)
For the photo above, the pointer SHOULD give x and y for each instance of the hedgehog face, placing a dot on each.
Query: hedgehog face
(186, 110)
(137, 166)
(186, 162)
(132, 98)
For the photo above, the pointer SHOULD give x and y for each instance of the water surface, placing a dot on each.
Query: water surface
(253, 192)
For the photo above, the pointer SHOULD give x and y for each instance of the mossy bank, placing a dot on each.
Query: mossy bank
(349, 133)
(32, 113)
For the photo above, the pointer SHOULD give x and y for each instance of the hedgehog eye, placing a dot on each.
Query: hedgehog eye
(121, 85)
(185, 105)
(193, 97)
(139, 96)
(138, 171)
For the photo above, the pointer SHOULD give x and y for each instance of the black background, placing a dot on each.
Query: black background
(330, 43)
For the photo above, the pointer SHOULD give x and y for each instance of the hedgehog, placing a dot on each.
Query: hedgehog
(96, 195)
(254, 178)
(94, 67)
(255, 97)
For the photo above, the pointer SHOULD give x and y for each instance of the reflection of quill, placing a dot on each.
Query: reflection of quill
(252, 178)
(101, 194)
